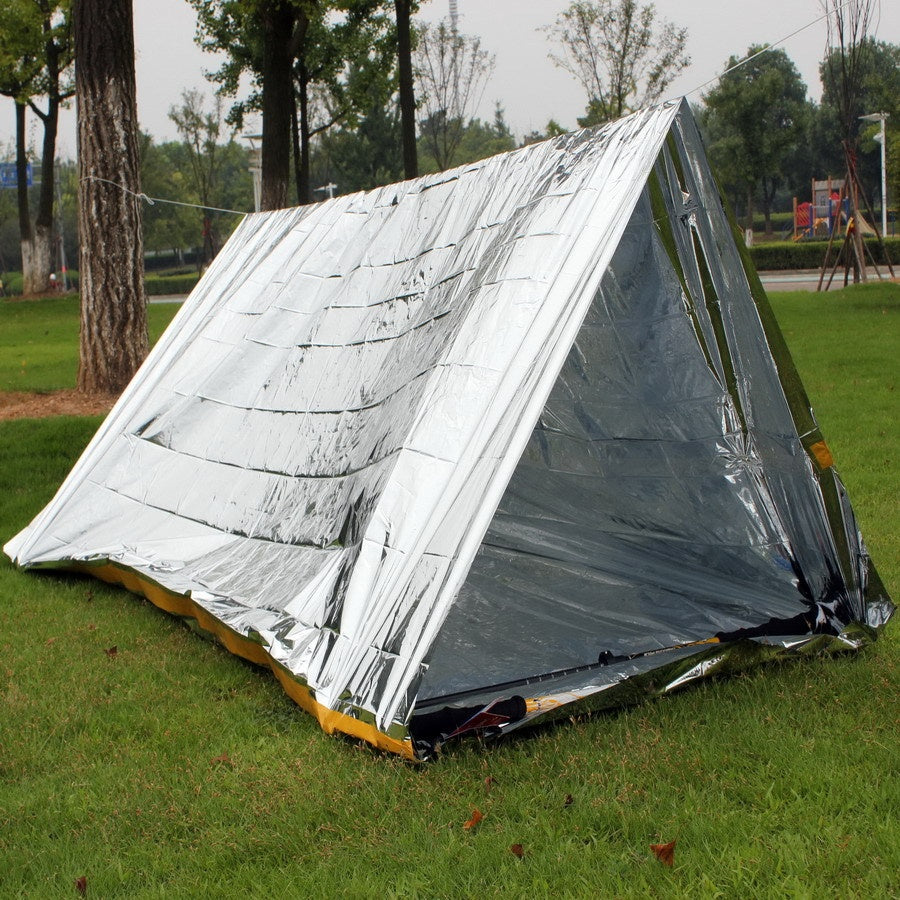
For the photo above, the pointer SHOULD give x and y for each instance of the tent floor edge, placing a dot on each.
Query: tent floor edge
(184, 607)
(714, 660)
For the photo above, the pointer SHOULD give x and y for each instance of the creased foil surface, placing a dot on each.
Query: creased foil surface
(435, 436)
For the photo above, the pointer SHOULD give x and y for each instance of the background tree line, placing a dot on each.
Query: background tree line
(327, 80)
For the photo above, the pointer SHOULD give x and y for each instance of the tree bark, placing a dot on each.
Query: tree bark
(278, 19)
(769, 187)
(43, 222)
(26, 232)
(113, 305)
(36, 276)
(304, 188)
(295, 145)
(300, 137)
(407, 91)
(37, 238)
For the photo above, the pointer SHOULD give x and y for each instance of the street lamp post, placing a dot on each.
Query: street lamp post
(881, 138)
(329, 189)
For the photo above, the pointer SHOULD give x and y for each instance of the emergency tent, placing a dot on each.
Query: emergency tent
(457, 454)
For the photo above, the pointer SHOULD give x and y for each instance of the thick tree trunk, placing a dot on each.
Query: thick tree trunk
(407, 93)
(113, 306)
(278, 26)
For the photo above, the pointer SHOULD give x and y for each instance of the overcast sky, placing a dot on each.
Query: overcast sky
(529, 86)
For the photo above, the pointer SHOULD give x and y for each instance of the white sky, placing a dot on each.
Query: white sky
(528, 85)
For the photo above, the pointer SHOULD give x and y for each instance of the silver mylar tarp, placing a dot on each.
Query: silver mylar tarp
(459, 452)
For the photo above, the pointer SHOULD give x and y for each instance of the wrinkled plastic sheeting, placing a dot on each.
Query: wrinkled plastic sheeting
(315, 448)
(665, 495)
(515, 434)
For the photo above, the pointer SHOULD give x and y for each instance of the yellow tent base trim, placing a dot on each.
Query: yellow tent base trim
(180, 605)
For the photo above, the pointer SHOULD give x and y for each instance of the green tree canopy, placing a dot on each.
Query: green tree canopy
(167, 171)
(317, 41)
(754, 118)
(36, 54)
(21, 59)
(878, 91)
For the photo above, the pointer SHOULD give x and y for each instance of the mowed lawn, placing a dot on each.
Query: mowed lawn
(152, 763)
(39, 341)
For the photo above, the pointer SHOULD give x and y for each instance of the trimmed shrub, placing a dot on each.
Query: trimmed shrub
(155, 285)
(170, 284)
(154, 262)
(12, 282)
(811, 254)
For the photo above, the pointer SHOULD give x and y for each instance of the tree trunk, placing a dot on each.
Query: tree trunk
(113, 306)
(278, 19)
(768, 198)
(304, 188)
(26, 232)
(750, 207)
(407, 92)
(43, 222)
(36, 280)
(37, 260)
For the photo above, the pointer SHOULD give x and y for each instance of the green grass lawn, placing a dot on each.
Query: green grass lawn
(170, 768)
(39, 341)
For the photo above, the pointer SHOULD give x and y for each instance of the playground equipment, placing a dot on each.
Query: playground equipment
(827, 214)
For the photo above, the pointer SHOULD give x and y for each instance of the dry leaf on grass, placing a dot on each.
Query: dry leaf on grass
(665, 853)
(473, 822)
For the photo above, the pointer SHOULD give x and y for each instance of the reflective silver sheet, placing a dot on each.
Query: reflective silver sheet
(318, 445)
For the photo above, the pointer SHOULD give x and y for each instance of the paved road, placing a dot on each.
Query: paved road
(168, 298)
(808, 279)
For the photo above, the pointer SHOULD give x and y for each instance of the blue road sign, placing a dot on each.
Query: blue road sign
(9, 177)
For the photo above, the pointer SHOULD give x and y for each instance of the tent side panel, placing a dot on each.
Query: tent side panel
(636, 519)
(676, 492)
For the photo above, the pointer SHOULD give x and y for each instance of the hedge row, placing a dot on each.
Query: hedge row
(778, 255)
(12, 282)
(157, 285)
(811, 254)
(153, 262)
